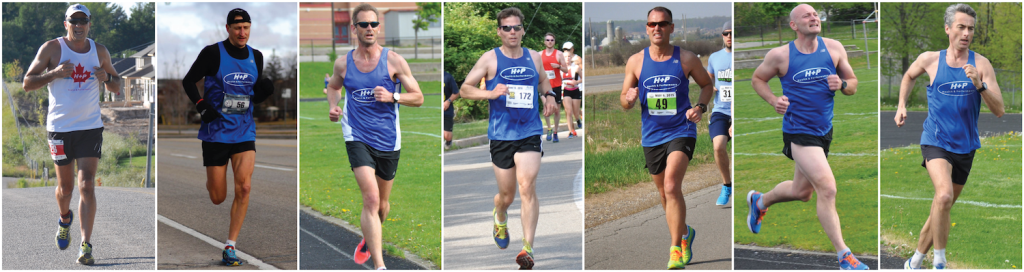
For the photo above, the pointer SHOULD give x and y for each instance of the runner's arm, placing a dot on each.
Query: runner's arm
(36, 77)
(993, 96)
(114, 85)
(206, 64)
(475, 75)
(629, 95)
(544, 83)
(764, 73)
(701, 77)
(909, 79)
(844, 70)
(561, 62)
(413, 96)
(264, 87)
(337, 81)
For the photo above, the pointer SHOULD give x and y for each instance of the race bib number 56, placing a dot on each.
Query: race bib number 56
(661, 103)
(235, 104)
(519, 96)
(57, 150)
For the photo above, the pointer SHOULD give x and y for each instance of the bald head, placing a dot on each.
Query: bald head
(800, 10)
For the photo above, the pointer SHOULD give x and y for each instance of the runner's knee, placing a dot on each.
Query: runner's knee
(827, 192)
(371, 203)
(86, 187)
(944, 199)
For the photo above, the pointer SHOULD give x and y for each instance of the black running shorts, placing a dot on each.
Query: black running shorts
(961, 162)
(806, 140)
(65, 147)
(384, 163)
(503, 152)
(217, 154)
(657, 156)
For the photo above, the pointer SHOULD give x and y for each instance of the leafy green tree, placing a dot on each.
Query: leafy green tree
(427, 14)
(779, 11)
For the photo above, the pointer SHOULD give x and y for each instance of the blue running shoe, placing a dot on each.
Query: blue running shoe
(555, 139)
(571, 135)
(691, 234)
(723, 198)
(229, 257)
(500, 232)
(906, 265)
(755, 215)
(849, 262)
(549, 135)
(63, 239)
(85, 254)
(940, 266)
(579, 124)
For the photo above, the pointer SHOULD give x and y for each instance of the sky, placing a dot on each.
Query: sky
(126, 6)
(600, 12)
(183, 29)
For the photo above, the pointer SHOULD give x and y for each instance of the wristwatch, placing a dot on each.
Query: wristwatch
(109, 77)
(395, 96)
(984, 87)
(843, 87)
(703, 107)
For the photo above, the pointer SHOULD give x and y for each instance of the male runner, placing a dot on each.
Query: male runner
(960, 80)
(554, 66)
(720, 68)
(451, 92)
(572, 81)
(370, 123)
(233, 73)
(811, 70)
(514, 128)
(658, 78)
(73, 68)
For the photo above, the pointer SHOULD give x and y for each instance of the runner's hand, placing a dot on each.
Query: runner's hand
(445, 105)
(693, 114)
(499, 90)
(555, 65)
(781, 104)
(973, 73)
(64, 69)
(334, 113)
(632, 95)
(730, 131)
(834, 83)
(207, 111)
(901, 116)
(383, 95)
(550, 108)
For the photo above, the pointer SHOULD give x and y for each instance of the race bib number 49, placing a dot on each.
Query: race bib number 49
(725, 94)
(235, 104)
(57, 150)
(661, 103)
(519, 96)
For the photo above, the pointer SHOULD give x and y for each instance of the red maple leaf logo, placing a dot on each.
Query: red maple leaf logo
(80, 75)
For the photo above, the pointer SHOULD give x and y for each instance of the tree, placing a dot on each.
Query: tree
(425, 15)
(777, 10)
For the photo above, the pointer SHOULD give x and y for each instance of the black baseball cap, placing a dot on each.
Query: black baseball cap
(238, 12)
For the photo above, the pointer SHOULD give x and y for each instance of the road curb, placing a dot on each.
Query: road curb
(354, 229)
(482, 139)
(797, 251)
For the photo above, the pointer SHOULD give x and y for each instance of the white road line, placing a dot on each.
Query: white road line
(307, 118)
(347, 256)
(756, 132)
(968, 202)
(275, 168)
(184, 156)
(422, 133)
(778, 129)
(248, 258)
(577, 190)
(830, 154)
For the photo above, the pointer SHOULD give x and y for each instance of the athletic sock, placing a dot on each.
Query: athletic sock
(940, 256)
(229, 243)
(916, 260)
(728, 185)
(760, 203)
(839, 255)
(500, 222)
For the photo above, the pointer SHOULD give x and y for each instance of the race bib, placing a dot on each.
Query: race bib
(661, 103)
(551, 74)
(235, 104)
(725, 94)
(57, 150)
(519, 96)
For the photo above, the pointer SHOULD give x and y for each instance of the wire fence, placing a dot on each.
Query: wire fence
(892, 76)
(429, 47)
(769, 34)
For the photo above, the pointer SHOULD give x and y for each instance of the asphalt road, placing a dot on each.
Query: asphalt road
(759, 258)
(122, 235)
(890, 261)
(326, 244)
(890, 136)
(469, 188)
(605, 83)
(270, 231)
(640, 241)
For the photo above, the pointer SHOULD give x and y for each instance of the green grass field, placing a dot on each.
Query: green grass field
(760, 166)
(1011, 102)
(312, 77)
(328, 186)
(982, 236)
(614, 155)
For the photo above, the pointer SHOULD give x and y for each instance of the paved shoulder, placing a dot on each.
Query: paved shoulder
(640, 241)
(327, 245)
(123, 234)
(760, 258)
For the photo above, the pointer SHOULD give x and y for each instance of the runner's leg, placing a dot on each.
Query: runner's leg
(242, 166)
(721, 145)
(669, 183)
(506, 191)
(87, 201)
(370, 221)
(569, 115)
(924, 243)
(811, 161)
(216, 183)
(576, 104)
(65, 187)
(527, 167)
(937, 234)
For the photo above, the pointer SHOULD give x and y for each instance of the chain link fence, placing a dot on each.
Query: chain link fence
(769, 34)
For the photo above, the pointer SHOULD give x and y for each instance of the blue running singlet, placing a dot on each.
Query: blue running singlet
(515, 116)
(664, 92)
(806, 85)
(364, 119)
(953, 107)
(230, 92)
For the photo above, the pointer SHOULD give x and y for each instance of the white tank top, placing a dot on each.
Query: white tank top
(75, 100)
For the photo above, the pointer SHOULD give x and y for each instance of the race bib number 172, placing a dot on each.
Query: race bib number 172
(519, 96)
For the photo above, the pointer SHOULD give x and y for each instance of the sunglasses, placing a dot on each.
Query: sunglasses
(510, 28)
(367, 24)
(78, 21)
(727, 34)
(661, 24)
(548, 40)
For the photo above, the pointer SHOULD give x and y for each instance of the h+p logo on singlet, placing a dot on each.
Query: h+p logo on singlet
(957, 88)
(517, 73)
(812, 75)
(662, 82)
(241, 79)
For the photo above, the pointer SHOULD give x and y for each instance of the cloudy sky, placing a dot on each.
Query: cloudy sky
(183, 29)
(600, 12)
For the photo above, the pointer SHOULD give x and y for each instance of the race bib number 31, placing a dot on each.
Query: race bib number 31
(57, 150)
(661, 103)
(235, 104)
(725, 94)
(519, 96)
